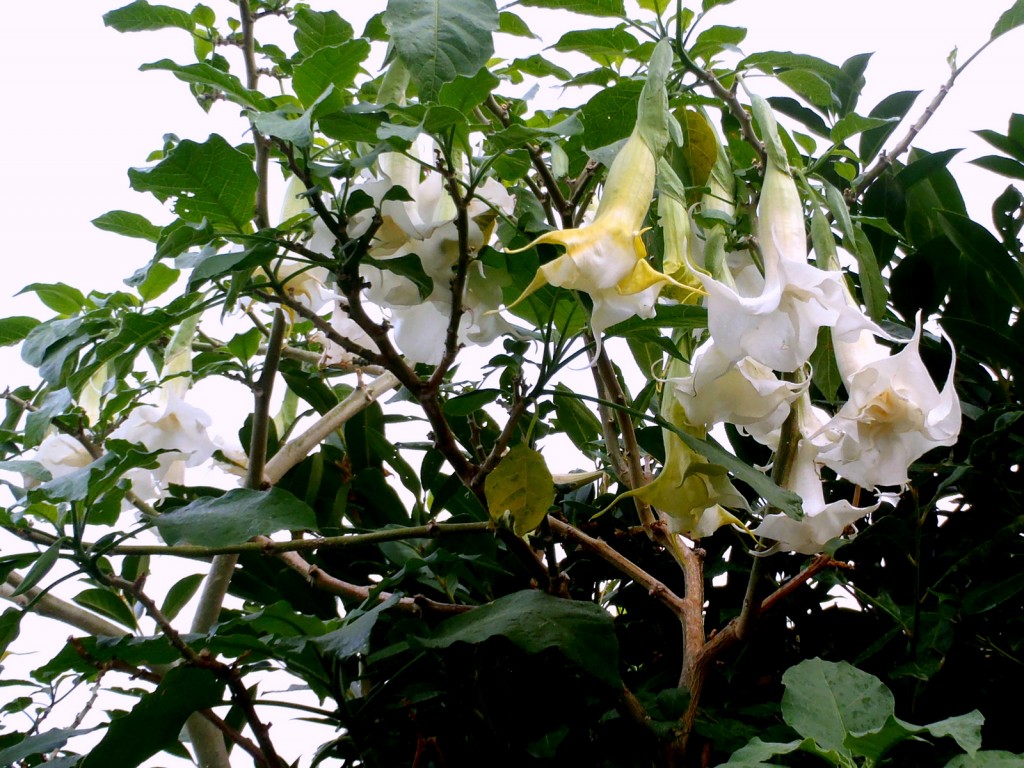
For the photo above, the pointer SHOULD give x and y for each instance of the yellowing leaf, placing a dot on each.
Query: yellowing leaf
(520, 485)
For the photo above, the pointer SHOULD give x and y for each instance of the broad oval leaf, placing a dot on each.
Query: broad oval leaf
(520, 485)
(536, 621)
(235, 517)
(440, 39)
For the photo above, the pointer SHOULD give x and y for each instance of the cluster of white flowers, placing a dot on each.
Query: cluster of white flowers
(761, 324)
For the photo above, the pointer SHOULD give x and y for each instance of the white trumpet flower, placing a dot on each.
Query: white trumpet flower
(894, 415)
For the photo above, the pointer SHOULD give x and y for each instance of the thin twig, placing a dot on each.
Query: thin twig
(886, 159)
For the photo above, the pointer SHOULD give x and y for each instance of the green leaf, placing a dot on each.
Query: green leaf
(1006, 144)
(315, 30)
(159, 277)
(10, 627)
(520, 486)
(128, 224)
(438, 40)
(716, 39)
(987, 759)
(354, 637)
(469, 403)
(40, 744)
(61, 298)
(924, 166)
(575, 419)
(141, 16)
(809, 86)
(335, 66)
(206, 74)
(465, 93)
(1004, 166)
(212, 181)
(1010, 19)
(587, 7)
(55, 403)
(611, 114)
(235, 517)
(826, 376)
(15, 329)
(707, 5)
(684, 316)
(982, 249)
(155, 722)
(895, 105)
(106, 603)
(853, 124)
(179, 594)
(535, 622)
(826, 701)
(39, 568)
(288, 125)
(605, 46)
(511, 24)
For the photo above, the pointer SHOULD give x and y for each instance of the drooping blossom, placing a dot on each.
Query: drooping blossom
(775, 319)
(60, 455)
(894, 415)
(745, 393)
(607, 258)
(821, 522)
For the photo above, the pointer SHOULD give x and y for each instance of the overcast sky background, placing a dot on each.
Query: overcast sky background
(79, 114)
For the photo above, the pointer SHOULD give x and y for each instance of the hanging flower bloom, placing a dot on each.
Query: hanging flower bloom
(821, 522)
(335, 354)
(177, 428)
(607, 258)
(691, 493)
(60, 455)
(744, 393)
(775, 320)
(894, 415)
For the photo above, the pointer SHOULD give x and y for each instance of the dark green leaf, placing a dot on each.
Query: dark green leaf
(575, 419)
(354, 637)
(1005, 143)
(825, 375)
(716, 39)
(212, 181)
(39, 744)
(853, 124)
(106, 603)
(611, 114)
(826, 701)
(1004, 166)
(410, 267)
(141, 16)
(810, 86)
(685, 316)
(61, 298)
(535, 622)
(920, 169)
(39, 568)
(155, 722)
(1010, 19)
(179, 595)
(464, 405)
(511, 24)
(335, 66)
(438, 40)
(128, 224)
(605, 46)
(159, 277)
(315, 30)
(217, 264)
(983, 250)
(207, 74)
(10, 626)
(464, 93)
(895, 105)
(235, 517)
(587, 7)
(15, 329)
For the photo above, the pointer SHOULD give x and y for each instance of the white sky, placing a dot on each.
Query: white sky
(79, 114)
